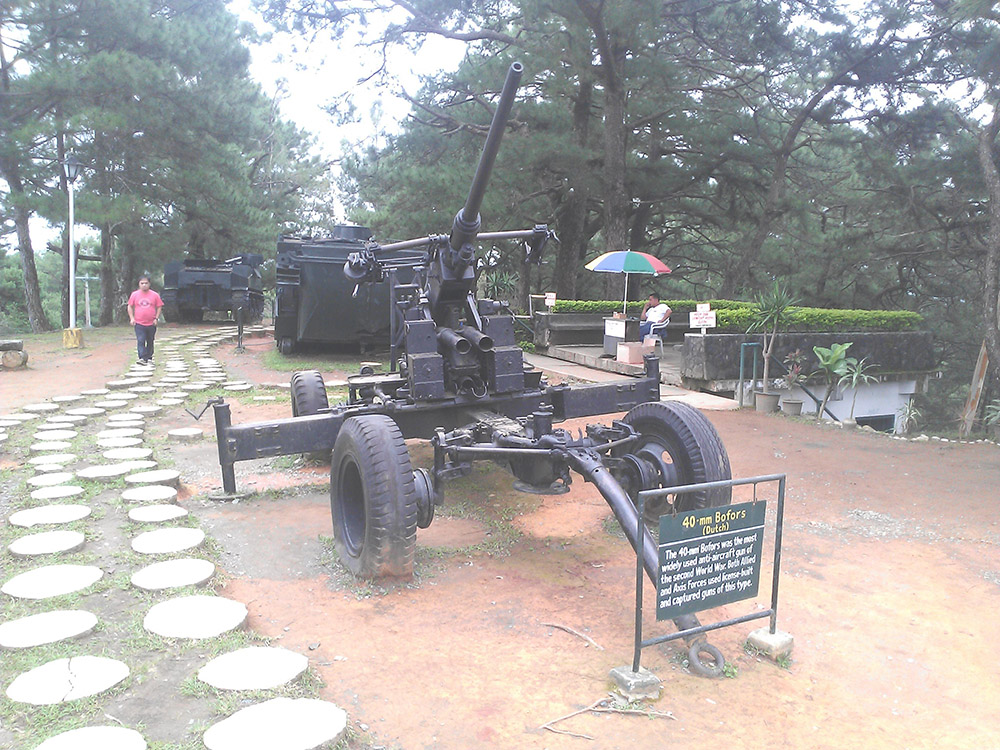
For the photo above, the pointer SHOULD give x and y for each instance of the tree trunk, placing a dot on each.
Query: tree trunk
(106, 315)
(32, 294)
(991, 268)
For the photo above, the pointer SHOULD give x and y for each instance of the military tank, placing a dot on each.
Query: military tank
(195, 286)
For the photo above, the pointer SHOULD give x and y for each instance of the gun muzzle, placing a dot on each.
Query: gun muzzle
(451, 341)
(481, 341)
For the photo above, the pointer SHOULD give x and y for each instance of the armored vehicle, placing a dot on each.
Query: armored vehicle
(459, 379)
(312, 291)
(193, 286)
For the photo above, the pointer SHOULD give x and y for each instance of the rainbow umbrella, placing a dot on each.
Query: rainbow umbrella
(628, 262)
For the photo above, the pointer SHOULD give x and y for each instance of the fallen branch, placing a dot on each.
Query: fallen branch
(578, 634)
(601, 706)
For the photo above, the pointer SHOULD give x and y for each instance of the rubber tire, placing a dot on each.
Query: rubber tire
(373, 499)
(700, 667)
(286, 345)
(693, 446)
(308, 393)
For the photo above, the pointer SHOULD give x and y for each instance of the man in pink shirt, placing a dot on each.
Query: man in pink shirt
(144, 307)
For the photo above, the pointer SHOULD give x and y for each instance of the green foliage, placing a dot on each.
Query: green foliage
(770, 312)
(833, 365)
(612, 306)
(857, 373)
(991, 415)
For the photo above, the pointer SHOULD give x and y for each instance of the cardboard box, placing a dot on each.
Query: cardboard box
(633, 352)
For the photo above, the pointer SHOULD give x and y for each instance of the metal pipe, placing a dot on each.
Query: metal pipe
(483, 342)
(452, 341)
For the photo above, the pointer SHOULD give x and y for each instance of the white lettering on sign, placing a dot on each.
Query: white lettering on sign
(702, 319)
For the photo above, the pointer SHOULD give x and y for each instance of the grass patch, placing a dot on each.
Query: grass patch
(322, 361)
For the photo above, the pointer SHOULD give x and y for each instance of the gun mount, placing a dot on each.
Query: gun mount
(459, 379)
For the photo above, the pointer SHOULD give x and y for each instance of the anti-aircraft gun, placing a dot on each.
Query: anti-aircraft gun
(459, 379)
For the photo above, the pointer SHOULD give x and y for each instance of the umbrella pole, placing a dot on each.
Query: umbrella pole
(625, 298)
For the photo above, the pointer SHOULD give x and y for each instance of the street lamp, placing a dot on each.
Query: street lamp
(71, 167)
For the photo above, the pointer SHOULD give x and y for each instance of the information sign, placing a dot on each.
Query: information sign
(550, 299)
(709, 557)
(702, 319)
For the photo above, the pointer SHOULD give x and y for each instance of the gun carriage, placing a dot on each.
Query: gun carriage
(458, 379)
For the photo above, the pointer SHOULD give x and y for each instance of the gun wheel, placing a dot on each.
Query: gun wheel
(373, 499)
(684, 448)
(308, 393)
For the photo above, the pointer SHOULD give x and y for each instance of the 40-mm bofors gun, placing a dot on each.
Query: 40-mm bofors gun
(459, 379)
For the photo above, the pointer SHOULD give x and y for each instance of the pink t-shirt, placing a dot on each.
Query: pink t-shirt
(145, 306)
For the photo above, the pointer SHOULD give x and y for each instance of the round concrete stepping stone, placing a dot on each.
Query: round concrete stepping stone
(48, 468)
(128, 395)
(59, 491)
(288, 723)
(128, 454)
(188, 571)
(140, 465)
(170, 477)
(9, 422)
(240, 387)
(138, 389)
(85, 411)
(47, 426)
(67, 399)
(96, 738)
(48, 514)
(129, 424)
(122, 385)
(155, 513)
(55, 434)
(106, 472)
(120, 432)
(170, 402)
(195, 616)
(129, 417)
(124, 442)
(40, 408)
(185, 433)
(254, 668)
(175, 394)
(147, 409)
(48, 627)
(64, 680)
(167, 541)
(46, 543)
(114, 404)
(192, 387)
(19, 417)
(66, 419)
(52, 580)
(48, 480)
(150, 493)
(95, 392)
(49, 445)
(49, 458)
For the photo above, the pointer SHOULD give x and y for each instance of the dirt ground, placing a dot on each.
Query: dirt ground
(890, 580)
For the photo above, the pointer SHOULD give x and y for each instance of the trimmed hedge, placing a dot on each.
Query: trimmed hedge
(735, 317)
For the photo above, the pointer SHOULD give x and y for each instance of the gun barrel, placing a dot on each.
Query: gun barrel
(483, 342)
(466, 225)
(451, 341)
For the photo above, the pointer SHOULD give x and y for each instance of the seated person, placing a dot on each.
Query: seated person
(653, 312)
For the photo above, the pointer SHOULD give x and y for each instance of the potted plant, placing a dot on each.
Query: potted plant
(833, 363)
(769, 315)
(795, 375)
(857, 373)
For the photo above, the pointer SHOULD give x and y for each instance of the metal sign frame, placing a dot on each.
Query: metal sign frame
(771, 612)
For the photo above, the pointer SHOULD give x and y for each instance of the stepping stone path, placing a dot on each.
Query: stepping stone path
(150, 493)
(96, 738)
(64, 680)
(187, 571)
(46, 543)
(281, 723)
(166, 541)
(52, 580)
(49, 514)
(288, 723)
(195, 617)
(255, 668)
(47, 627)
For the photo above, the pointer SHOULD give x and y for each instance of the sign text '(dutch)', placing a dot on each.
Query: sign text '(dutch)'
(709, 557)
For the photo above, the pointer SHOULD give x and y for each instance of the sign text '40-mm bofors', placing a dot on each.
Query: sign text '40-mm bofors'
(459, 379)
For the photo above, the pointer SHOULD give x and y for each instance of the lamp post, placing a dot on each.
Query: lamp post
(71, 167)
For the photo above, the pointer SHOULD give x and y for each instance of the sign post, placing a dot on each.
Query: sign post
(703, 317)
